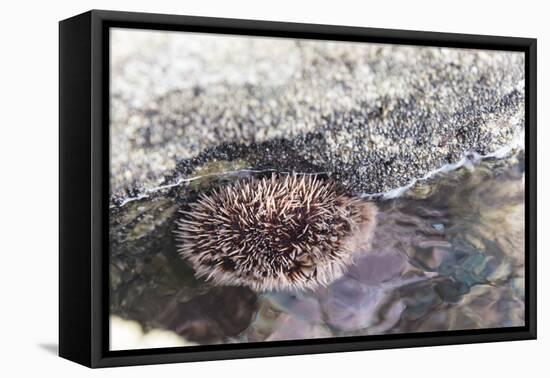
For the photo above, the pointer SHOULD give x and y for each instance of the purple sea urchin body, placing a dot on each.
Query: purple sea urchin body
(278, 233)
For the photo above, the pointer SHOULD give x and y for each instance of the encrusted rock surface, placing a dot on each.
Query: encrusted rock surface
(374, 116)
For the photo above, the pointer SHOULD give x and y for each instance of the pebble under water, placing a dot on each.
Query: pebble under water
(448, 254)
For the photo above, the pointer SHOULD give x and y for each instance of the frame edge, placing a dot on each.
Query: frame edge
(75, 276)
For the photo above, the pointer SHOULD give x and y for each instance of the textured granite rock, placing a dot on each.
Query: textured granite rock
(374, 116)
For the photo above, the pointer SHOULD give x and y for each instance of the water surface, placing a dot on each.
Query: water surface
(448, 254)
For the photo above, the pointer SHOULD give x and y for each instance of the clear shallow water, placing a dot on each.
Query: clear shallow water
(447, 254)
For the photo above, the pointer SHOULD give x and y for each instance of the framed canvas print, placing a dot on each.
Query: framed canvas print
(233, 188)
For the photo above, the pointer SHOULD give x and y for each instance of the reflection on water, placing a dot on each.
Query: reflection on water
(448, 254)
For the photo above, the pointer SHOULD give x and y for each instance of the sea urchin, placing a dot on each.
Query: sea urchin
(278, 233)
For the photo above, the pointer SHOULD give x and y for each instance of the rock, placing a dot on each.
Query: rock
(220, 313)
(349, 305)
(374, 116)
(128, 334)
(289, 328)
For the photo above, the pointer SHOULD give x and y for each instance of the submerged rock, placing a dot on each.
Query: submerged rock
(214, 316)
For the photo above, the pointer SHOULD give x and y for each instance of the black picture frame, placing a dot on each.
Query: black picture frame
(84, 187)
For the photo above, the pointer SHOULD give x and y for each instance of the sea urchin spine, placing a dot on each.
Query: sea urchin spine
(279, 233)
